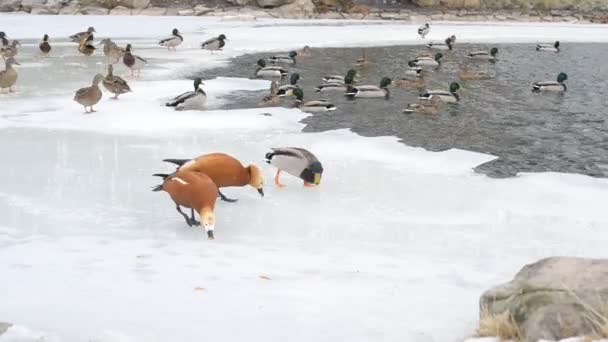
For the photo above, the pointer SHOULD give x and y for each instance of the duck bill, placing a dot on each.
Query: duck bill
(317, 179)
(261, 192)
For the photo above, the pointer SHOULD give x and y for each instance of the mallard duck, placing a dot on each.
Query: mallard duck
(467, 74)
(45, 46)
(8, 76)
(426, 61)
(363, 61)
(89, 96)
(370, 90)
(484, 55)
(77, 38)
(311, 106)
(272, 71)
(3, 39)
(306, 51)
(445, 96)
(337, 83)
(112, 51)
(86, 47)
(11, 50)
(272, 98)
(133, 62)
(289, 59)
(286, 89)
(115, 84)
(548, 47)
(191, 100)
(448, 45)
(424, 30)
(413, 73)
(175, 40)
(297, 162)
(433, 106)
(351, 73)
(417, 82)
(215, 44)
(558, 86)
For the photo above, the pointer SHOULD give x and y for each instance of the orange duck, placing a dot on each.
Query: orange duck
(225, 171)
(193, 190)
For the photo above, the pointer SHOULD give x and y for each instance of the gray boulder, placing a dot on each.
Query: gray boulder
(273, 3)
(153, 11)
(120, 10)
(10, 5)
(554, 298)
(299, 9)
(27, 5)
(135, 4)
(94, 10)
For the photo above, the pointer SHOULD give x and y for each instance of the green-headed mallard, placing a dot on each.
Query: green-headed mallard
(112, 51)
(311, 106)
(558, 86)
(426, 61)
(133, 62)
(548, 47)
(214, 44)
(8, 76)
(191, 100)
(115, 84)
(77, 38)
(286, 89)
(370, 90)
(443, 95)
(175, 40)
(272, 99)
(448, 45)
(297, 162)
(89, 96)
(424, 30)
(45, 46)
(271, 71)
(3, 39)
(337, 83)
(281, 59)
(86, 46)
(11, 50)
(484, 55)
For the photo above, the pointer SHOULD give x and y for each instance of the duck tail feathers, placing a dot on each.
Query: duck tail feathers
(178, 162)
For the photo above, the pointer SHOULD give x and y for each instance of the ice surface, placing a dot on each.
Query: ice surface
(397, 244)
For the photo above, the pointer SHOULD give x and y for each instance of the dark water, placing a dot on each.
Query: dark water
(528, 132)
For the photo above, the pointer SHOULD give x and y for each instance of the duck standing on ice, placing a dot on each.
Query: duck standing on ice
(297, 162)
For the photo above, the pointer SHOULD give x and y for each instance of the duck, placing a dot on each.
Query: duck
(225, 171)
(86, 47)
(550, 86)
(8, 76)
(548, 47)
(271, 99)
(190, 100)
(133, 62)
(297, 162)
(370, 90)
(172, 42)
(333, 82)
(271, 71)
(450, 96)
(280, 59)
(305, 52)
(195, 191)
(215, 44)
(89, 96)
(3, 39)
(467, 74)
(413, 73)
(340, 78)
(484, 55)
(11, 50)
(77, 37)
(286, 89)
(45, 46)
(362, 61)
(421, 108)
(112, 51)
(426, 61)
(424, 30)
(448, 45)
(115, 84)
(416, 82)
(311, 106)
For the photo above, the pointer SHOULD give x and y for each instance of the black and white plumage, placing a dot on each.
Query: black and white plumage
(370, 90)
(489, 56)
(445, 96)
(45, 46)
(424, 30)
(175, 40)
(190, 100)
(297, 162)
(311, 106)
(557, 87)
(78, 37)
(3, 39)
(426, 61)
(447, 45)
(280, 59)
(337, 83)
(214, 44)
(288, 89)
(548, 47)
(269, 72)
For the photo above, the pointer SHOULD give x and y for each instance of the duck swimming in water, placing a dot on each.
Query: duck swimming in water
(484, 55)
(370, 90)
(311, 106)
(548, 47)
(450, 96)
(264, 71)
(556, 87)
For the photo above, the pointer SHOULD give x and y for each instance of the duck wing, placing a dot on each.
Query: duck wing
(181, 98)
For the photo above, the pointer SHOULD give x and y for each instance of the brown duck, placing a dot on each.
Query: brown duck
(8, 76)
(111, 50)
(11, 50)
(115, 84)
(89, 96)
(195, 191)
(44, 46)
(86, 46)
(225, 170)
(76, 38)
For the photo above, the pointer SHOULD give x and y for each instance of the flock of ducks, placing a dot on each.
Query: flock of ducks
(197, 183)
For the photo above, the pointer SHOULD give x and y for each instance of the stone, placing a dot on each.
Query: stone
(241, 2)
(174, 11)
(331, 15)
(186, 12)
(44, 10)
(93, 10)
(27, 5)
(273, 3)
(299, 9)
(71, 8)
(134, 4)
(392, 16)
(121, 10)
(426, 3)
(553, 298)
(10, 5)
(153, 11)
(201, 10)
(4, 327)
(97, 3)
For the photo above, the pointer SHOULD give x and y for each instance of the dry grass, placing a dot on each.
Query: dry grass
(500, 325)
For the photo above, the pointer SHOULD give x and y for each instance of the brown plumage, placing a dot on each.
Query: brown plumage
(195, 191)
(112, 51)
(467, 74)
(10, 50)
(86, 46)
(133, 62)
(44, 46)
(418, 83)
(89, 96)
(8, 76)
(271, 99)
(225, 170)
(115, 84)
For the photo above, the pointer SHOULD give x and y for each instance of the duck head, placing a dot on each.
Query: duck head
(256, 179)
(91, 30)
(494, 52)
(454, 86)
(175, 32)
(438, 56)
(298, 93)
(197, 83)
(562, 77)
(45, 38)
(293, 54)
(208, 222)
(385, 82)
(350, 76)
(222, 37)
(293, 80)
(3, 35)
(556, 45)
(128, 48)
(10, 62)
(261, 63)
(312, 174)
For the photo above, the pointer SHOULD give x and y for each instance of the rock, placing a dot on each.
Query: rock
(120, 10)
(394, 16)
(134, 4)
(274, 3)
(201, 10)
(553, 298)
(331, 15)
(240, 2)
(93, 10)
(27, 5)
(44, 10)
(9, 5)
(97, 3)
(299, 9)
(153, 11)
(70, 8)
(174, 11)
(426, 3)
(4, 327)
(186, 12)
